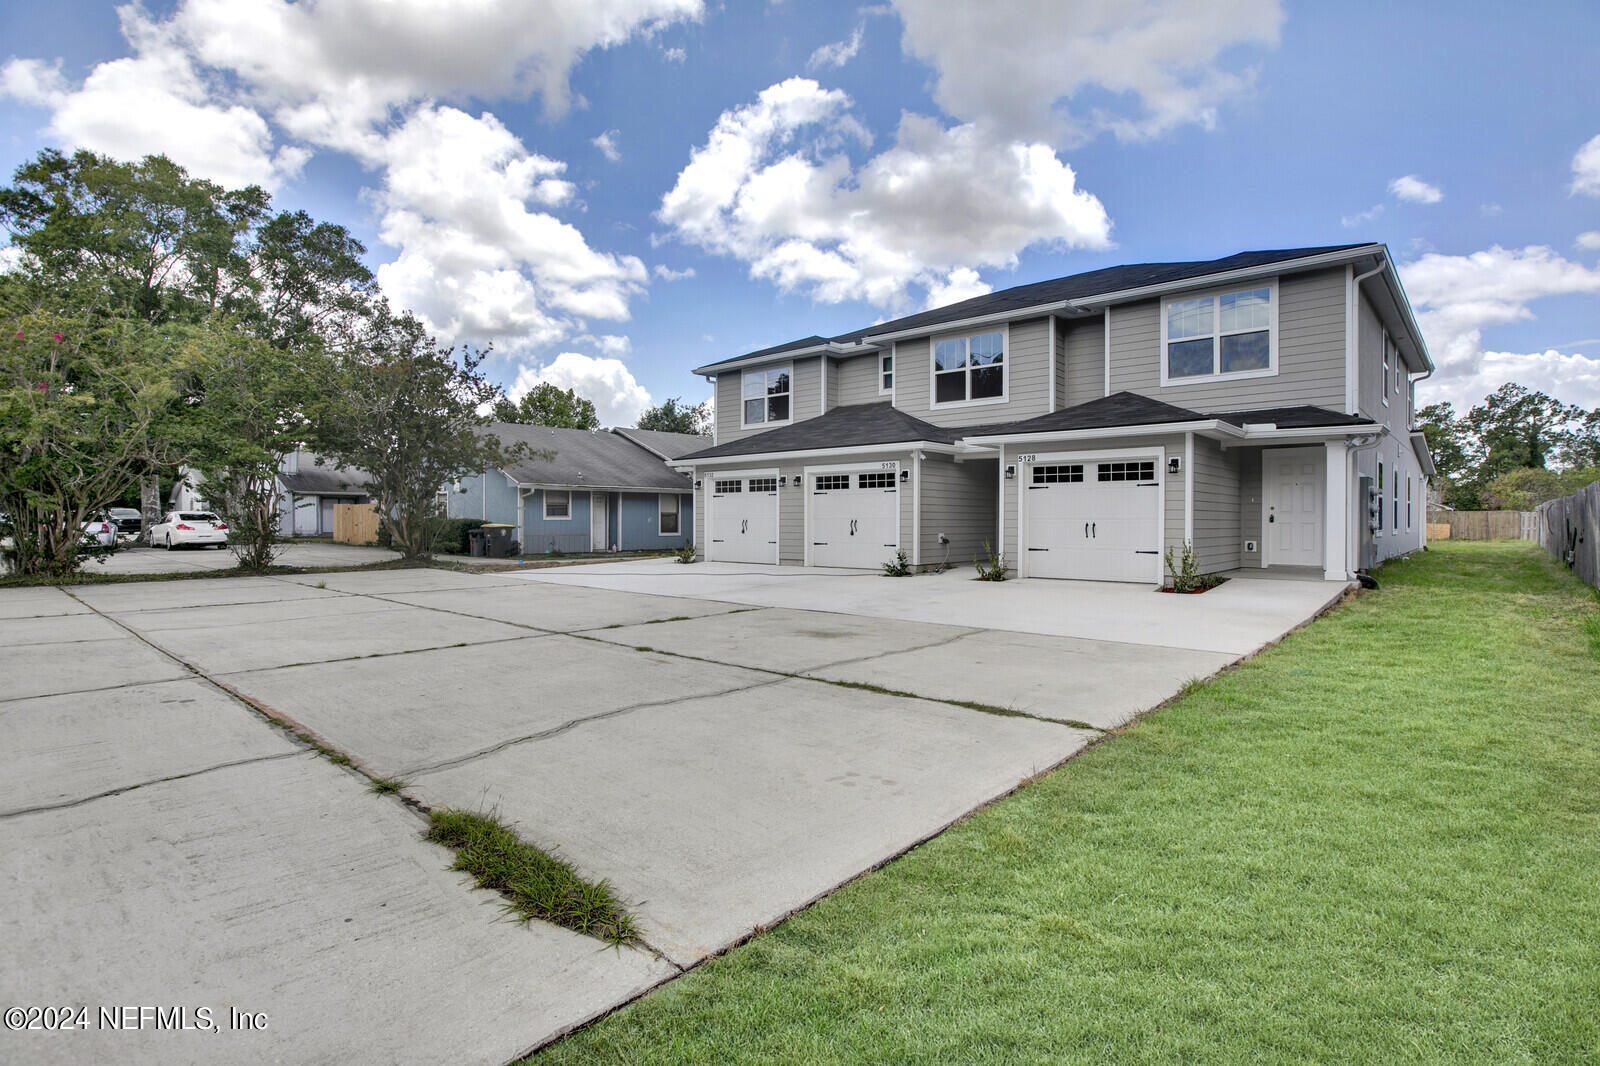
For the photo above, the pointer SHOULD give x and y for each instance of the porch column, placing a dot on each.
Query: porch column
(1336, 514)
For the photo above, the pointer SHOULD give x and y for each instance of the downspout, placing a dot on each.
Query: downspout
(1188, 489)
(1352, 395)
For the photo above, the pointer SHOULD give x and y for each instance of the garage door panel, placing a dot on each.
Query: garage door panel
(744, 520)
(1092, 529)
(854, 519)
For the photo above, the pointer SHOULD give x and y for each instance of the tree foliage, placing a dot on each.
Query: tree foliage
(405, 411)
(78, 402)
(1482, 455)
(674, 416)
(546, 405)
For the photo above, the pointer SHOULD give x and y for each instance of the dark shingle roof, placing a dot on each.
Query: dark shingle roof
(668, 445)
(842, 427)
(1301, 417)
(1118, 409)
(311, 479)
(585, 459)
(1073, 287)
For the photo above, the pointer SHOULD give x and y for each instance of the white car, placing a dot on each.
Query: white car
(180, 528)
(99, 533)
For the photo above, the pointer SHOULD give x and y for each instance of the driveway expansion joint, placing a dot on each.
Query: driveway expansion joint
(119, 790)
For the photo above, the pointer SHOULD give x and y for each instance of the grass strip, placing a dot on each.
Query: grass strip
(534, 883)
(1373, 843)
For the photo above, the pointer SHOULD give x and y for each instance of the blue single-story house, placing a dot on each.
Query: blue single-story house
(601, 490)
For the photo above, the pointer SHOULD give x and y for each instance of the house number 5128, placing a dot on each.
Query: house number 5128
(1026, 457)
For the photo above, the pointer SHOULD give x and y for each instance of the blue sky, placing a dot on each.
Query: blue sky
(615, 191)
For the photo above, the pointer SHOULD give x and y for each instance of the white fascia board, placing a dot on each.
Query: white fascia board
(1419, 445)
(611, 488)
(1398, 291)
(711, 370)
(1269, 433)
(957, 325)
(810, 453)
(1212, 427)
(1265, 270)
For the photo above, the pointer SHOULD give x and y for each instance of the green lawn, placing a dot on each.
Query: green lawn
(1377, 842)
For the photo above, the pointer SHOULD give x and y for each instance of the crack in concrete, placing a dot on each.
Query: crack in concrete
(58, 643)
(229, 603)
(253, 621)
(884, 654)
(67, 804)
(101, 688)
(564, 727)
(370, 655)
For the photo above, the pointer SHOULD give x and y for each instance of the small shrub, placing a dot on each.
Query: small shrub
(901, 567)
(452, 539)
(685, 554)
(1185, 571)
(994, 569)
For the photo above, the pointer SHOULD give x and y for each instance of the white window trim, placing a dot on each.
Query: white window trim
(881, 357)
(1382, 525)
(766, 370)
(544, 505)
(1271, 285)
(1024, 478)
(884, 466)
(661, 511)
(933, 376)
(1383, 392)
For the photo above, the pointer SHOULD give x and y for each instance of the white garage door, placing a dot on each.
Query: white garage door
(1097, 520)
(743, 518)
(855, 518)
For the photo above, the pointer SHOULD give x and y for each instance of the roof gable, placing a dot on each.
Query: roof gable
(584, 459)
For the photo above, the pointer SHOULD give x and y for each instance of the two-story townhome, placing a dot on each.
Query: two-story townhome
(1082, 426)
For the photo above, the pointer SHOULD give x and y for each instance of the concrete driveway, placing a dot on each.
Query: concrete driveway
(137, 559)
(161, 844)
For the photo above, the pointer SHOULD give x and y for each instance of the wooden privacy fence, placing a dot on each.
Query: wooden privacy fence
(355, 523)
(1482, 525)
(1569, 529)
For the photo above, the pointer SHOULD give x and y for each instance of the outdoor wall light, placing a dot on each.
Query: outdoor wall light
(696, 482)
(905, 475)
(1174, 464)
(1011, 472)
(783, 482)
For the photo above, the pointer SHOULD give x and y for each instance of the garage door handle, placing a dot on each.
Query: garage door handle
(1038, 549)
(1094, 529)
(1142, 551)
(744, 527)
(1086, 529)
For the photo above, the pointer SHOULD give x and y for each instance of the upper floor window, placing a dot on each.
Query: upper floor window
(1219, 335)
(969, 368)
(1388, 367)
(885, 374)
(766, 396)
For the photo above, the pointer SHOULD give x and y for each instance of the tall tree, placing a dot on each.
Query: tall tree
(248, 405)
(674, 416)
(79, 398)
(309, 283)
(1514, 427)
(1581, 448)
(405, 411)
(546, 405)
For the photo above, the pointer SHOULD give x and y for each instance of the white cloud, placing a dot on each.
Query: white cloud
(10, 258)
(838, 53)
(1586, 168)
(1589, 241)
(1489, 210)
(480, 260)
(618, 399)
(609, 343)
(774, 186)
(1413, 189)
(962, 283)
(674, 55)
(33, 82)
(1458, 296)
(1025, 65)
(607, 143)
(666, 273)
(1361, 218)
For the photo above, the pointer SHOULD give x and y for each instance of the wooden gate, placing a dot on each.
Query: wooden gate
(355, 523)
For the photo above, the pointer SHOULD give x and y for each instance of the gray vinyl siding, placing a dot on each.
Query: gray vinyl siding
(854, 381)
(1311, 312)
(805, 397)
(1172, 520)
(1084, 363)
(958, 500)
(1369, 354)
(1250, 505)
(1027, 379)
(792, 500)
(1216, 506)
(1398, 458)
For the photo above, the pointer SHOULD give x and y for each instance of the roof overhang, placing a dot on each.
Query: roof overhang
(646, 490)
(1209, 427)
(1058, 307)
(1419, 444)
(1224, 277)
(711, 370)
(933, 447)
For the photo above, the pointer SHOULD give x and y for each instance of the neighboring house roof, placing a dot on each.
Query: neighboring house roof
(1078, 287)
(588, 460)
(324, 480)
(666, 445)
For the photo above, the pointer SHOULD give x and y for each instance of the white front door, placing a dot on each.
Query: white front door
(743, 519)
(1094, 520)
(599, 523)
(1291, 502)
(855, 518)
